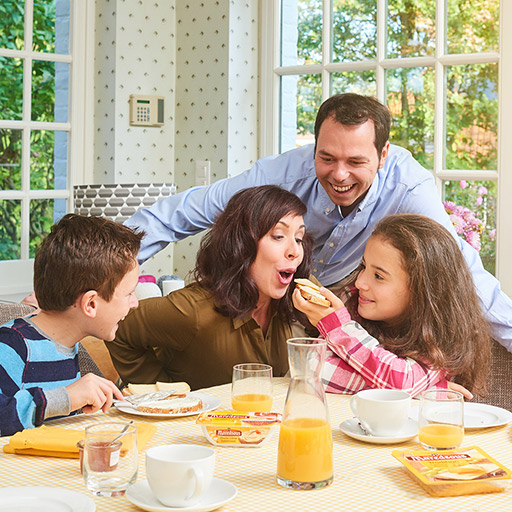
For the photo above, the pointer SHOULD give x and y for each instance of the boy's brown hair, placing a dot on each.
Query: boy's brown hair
(81, 254)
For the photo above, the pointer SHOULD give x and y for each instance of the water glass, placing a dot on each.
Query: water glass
(252, 387)
(110, 461)
(441, 419)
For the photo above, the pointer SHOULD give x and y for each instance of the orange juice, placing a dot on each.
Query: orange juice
(305, 450)
(252, 402)
(441, 436)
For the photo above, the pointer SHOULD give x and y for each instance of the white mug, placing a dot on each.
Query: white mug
(179, 474)
(382, 412)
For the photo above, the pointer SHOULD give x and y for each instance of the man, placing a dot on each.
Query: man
(350, 179)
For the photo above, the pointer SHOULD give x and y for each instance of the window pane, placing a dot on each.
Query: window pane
(473, 214)
(359, 82)
(473, 26)
(301, 32)
(411, 28)
(51, 26)
(354, 30)
(11, 88)
(12, 13)
(301, 97)
(43, 214)
(50, 85)
(471, 116)
(10, 230)
(10, 159)
(48, 160)
(410, 99)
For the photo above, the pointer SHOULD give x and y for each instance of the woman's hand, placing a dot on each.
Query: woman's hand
(314, 312)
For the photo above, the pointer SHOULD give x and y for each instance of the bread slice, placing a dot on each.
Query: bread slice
(138, 389)
(310, 291)
(172, 405)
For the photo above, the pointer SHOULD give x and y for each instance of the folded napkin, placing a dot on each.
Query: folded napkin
(61, 442)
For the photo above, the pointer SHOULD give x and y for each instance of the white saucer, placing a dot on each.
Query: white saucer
(479, 415)
(352, 429)
(219, 493)
(35, 499)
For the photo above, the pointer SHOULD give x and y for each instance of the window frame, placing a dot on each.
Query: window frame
(271, 73)
(17, 275)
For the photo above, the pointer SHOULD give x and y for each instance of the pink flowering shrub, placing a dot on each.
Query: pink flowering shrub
(466, 224)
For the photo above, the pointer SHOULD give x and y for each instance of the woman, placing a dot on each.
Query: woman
(412, 319)
(239, 307)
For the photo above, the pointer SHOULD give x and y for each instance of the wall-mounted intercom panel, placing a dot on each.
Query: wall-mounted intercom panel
(146, 110)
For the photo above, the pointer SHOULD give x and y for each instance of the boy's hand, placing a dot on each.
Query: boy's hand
(92, 393)
(314, 312)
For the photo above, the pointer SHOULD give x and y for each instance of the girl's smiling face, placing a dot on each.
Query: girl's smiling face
(383, 283)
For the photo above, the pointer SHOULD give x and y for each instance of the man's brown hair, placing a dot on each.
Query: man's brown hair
(81, 254)
(353, 109)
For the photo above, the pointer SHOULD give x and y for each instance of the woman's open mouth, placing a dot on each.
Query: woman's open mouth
(286, 276)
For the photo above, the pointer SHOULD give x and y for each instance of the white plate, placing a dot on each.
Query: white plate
(37, 499)
(209, 403)
(352, 429)
(479, 415)
(219, 493)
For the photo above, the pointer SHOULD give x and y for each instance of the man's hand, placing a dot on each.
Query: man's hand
(92, 393)
(314, 312)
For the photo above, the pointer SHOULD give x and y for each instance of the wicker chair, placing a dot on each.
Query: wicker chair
(499, 383)
(11, 310)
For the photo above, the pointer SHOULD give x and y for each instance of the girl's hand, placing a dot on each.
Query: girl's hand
(461, 389)
(314, 312)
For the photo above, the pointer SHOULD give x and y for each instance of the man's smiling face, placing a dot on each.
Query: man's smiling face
(347, 162)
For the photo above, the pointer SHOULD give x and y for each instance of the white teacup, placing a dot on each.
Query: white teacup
(179, 474)
(382, 412)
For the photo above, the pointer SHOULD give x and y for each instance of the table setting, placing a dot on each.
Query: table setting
(359, 470)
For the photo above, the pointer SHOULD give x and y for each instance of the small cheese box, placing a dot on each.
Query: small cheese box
(240, 429)
(455, 472)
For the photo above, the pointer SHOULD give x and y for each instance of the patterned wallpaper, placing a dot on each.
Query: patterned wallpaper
(202, 56)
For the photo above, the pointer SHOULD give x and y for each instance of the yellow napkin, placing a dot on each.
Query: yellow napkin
(61, 442)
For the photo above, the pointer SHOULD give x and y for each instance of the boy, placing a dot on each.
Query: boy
(85, 273)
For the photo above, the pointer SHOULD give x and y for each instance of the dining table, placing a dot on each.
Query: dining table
(366, 475)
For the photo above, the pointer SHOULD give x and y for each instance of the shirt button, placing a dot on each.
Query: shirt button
(315, 270)
(321, 261)
(331, 245)
(340, 225)
(328, 210)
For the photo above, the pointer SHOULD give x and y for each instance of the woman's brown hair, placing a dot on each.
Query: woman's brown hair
(444, 326)
(81, 254)
(230, 247)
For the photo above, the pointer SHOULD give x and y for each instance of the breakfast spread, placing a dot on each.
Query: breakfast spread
(138, 389)
(229, 428)
(311, 292)
(455, 472)
(173, 404)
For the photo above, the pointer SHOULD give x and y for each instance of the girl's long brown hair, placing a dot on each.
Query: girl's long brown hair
(444, 326)
(228, 250)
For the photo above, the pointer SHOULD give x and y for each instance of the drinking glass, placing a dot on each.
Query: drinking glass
(441, 419)
(110, 458)
(252, 387)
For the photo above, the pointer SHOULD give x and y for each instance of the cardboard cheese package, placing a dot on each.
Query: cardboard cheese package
(238, 429)
(455, 472)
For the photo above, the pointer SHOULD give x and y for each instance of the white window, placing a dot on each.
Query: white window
(438, 66)
(43, 48)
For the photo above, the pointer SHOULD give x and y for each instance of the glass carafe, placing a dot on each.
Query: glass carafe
(304, 459)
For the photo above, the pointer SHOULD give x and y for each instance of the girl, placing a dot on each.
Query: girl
(412, 319)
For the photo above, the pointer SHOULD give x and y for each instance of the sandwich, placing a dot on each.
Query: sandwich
(310, 291)
(174, 404)
(174, 387)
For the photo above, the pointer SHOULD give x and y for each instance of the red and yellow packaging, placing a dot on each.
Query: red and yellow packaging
(455, 472)
(229, 428)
